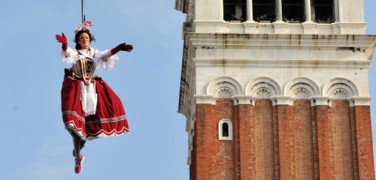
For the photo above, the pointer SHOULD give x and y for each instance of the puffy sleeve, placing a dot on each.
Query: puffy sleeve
(105, 60)
(70, 56)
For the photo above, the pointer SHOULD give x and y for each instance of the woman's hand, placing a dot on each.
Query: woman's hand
(122, 47)
(63, 40)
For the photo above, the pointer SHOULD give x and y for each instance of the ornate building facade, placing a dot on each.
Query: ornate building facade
(277, 89)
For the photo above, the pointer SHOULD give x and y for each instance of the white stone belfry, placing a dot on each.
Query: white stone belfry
(319, 53)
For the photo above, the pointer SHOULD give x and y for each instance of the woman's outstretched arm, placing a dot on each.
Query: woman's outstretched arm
(63, 40)
(122, 47)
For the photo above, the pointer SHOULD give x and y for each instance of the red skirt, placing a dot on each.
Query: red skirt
(109, 120)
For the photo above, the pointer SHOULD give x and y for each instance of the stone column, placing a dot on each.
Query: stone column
(337, 15)
(279, 25)
(279, 10)
(309, 26)
(250, 25)
(249, 11)
(307, 7)
(221, 10)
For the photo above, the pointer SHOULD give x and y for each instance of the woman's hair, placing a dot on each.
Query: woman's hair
(77, 37)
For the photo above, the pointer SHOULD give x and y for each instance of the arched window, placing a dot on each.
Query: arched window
(323, 11)
(264, 10)
(225, 130)
(235, 10)
(293, 11)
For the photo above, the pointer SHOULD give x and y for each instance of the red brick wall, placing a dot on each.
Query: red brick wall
(283, 117)
(339, 115)
(224, 158)
(262, 149)
(315, 150)
(362, 117)
(301, 143)
(245, 140)
(204, 136)
(324, 146)
(283, 142)
(354, 144)
(213, 159)
(295, 139)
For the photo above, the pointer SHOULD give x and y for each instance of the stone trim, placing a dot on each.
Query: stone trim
(360, 101)
(319, 101)
(205, 99)
(282, 100)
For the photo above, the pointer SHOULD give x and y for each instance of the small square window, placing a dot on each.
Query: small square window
(323, 11)
(293, 11)
(264, 10)
(235, 10)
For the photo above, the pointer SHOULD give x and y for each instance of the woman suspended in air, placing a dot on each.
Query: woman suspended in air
(89, 106)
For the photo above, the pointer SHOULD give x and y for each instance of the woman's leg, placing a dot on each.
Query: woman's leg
(78, 144)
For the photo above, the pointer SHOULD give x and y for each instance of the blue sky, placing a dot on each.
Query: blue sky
(34, 143)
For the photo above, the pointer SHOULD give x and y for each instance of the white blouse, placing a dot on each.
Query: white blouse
(103, 60)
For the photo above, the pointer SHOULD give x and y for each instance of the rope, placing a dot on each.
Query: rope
(82, 11)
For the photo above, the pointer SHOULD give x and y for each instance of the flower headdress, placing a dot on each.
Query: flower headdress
(84, 26)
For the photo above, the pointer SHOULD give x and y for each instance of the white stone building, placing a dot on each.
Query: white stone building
(280, 50)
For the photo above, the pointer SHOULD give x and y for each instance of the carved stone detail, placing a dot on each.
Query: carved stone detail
(224, 87)
(301, 88)
(302, 93)
(340, 88)
(340, 94)
(263, 93)
(225, 92)
(340, 91)
(263, 87)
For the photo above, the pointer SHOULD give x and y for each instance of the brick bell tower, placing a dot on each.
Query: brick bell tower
(277, 89)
